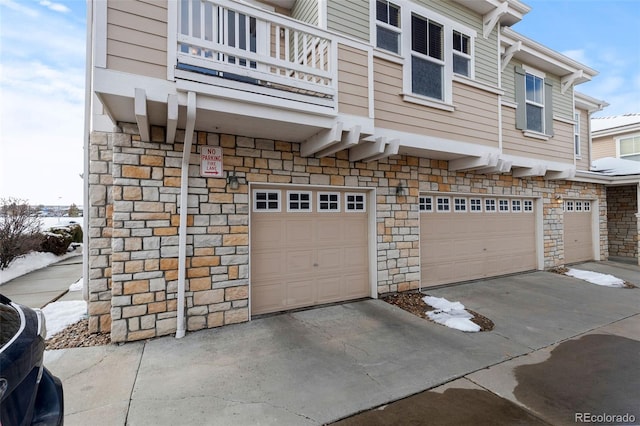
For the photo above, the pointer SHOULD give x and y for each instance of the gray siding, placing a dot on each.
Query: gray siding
(306, 11)
(349, 17)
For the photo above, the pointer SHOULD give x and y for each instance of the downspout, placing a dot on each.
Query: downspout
(184, 197)
(88, 83)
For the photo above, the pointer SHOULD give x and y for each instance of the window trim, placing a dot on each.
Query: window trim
(619, 141)
(309, 210)
(430, 204)
(500, 204)
(520, 75)
(320, 210)
(387, 26)
(513, 204)
(463, 204)
(266, 210)
(471, 200)
(448, 204)
(494, 205)
(530, 204)
(577, 149)
(355, 194)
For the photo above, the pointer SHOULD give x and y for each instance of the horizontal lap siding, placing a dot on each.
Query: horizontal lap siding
(349, 17)
(603, 147)
(306, 11)
(583, 162)
(559, 148)
(474, 119)
(137, 37)
(353, 83)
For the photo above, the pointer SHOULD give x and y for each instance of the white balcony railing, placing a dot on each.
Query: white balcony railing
(231, 40)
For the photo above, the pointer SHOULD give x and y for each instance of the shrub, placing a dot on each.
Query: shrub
(57, 240)
(19, 230)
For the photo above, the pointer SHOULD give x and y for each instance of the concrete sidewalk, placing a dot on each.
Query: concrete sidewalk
(43, 286)
(320, 365)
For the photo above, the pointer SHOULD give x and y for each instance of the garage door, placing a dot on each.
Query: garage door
(468, 237)
(308, 247)
(578, 236)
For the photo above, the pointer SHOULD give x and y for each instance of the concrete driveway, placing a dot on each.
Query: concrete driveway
(320, 365)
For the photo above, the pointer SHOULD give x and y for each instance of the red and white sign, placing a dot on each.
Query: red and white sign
(211, 161)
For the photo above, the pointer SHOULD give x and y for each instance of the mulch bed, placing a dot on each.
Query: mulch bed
(77, 336)
(411, 301)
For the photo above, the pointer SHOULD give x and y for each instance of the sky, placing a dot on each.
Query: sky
(42, 52)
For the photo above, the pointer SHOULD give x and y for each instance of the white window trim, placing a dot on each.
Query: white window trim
(619, 139)
(448, 205)
(310, 209)
(481, 207)
(524, 203)
(397, 30)
(586, 206)
(520, 206)
(464, 205)
(577, 149)
(430, 197)
(495, 205)
(364, 202)
(471, 56)
(319, 210)
(500, 204)
(267, 191)
(569, 203)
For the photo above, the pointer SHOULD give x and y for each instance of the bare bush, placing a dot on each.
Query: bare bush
(19, 230)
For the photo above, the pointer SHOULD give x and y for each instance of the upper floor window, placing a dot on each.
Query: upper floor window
(461, 54)
(534, 94)
(387, 26)
(630, 148)
(576, 135)
(427, 57)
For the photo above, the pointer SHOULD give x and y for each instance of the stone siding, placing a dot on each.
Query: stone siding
(624, 223)
(135, 191)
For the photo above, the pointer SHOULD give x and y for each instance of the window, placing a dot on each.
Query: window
(426, 204)
(299, 201)
(387, 26)
(264, 201)
(568, 206)
(578, 206)
(630, 148)
(528, 205)
(427, 57)
(503, 205)
(461, 54)
(576, 135)
(355, 202)
(460, 204)
(516, 206)
(475, 204)
(534, 94)
(443, 204)
(490, 205)
(329, 201)
(587, 206)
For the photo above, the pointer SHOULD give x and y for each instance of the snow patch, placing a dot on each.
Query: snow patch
(596, 278)
(450, 314)
(59, 315)
(77, 286)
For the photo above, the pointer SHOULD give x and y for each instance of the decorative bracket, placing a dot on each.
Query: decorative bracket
(490, 20)
(140, 109)
(508, 54)
(569, 79)
(321, 140)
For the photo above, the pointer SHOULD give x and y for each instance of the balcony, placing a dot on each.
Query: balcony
(228, 44)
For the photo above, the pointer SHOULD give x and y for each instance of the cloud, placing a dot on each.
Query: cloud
(579, 55)
(56, 7)
(20, 8)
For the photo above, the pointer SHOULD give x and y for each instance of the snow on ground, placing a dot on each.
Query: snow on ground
(30, 262)
(596, 278)
(77, 286)
(450, 314)
(59, 315)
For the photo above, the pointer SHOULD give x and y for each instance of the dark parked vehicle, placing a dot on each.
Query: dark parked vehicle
(29, 393)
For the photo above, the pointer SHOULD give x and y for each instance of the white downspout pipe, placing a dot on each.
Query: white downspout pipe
(184, 197)
(88, 111)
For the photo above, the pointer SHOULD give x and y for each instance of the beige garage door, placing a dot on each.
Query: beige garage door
(465, 237)
(578, 240)
(308, 247)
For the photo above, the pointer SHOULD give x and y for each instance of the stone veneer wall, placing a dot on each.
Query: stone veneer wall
(623, 220)
(135, 217)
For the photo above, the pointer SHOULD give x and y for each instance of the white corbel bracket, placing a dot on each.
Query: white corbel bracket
(322, 140)
(490, 20)
(508, 54)
(349, 139)
(172, 117)
(142, 118)
(537, 170)
(472, 163)
(569, 79)
(560, 175)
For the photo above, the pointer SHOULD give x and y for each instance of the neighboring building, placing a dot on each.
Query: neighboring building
(617, 136)
(249, 158)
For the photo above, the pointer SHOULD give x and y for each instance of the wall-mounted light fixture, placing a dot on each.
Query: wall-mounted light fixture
(400, 190)
(233, 181)
(558, 197)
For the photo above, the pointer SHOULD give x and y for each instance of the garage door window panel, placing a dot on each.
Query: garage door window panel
(443, 204)
(355, 202)
(528, 206)
(490, 205)
(587, 206)
(475, 205)
(266, 201)
(569, 206)
(299, 201)
(426, 204)
(460, 205)
(516, 206)
(329, 201)
(503, 206)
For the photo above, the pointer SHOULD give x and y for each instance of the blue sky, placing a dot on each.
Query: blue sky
(42, 49)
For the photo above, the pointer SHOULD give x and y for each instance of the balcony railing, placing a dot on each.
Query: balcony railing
(226, 39)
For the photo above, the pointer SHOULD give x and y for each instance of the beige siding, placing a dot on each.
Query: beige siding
(474, 120)
(306, 11)
(349, 17)
(558, 148)
(137, 37)
(486, 52)
(603, 147)
(583, 162)
(353, 84)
